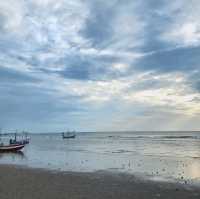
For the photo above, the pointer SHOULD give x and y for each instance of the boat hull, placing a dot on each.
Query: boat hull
(68, 137)
(11, 148)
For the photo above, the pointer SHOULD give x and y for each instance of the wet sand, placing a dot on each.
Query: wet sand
(26, 183)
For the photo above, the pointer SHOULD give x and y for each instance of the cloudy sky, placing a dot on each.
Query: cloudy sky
(100, 65)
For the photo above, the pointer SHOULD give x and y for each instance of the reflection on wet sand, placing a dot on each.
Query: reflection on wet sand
(194, 170)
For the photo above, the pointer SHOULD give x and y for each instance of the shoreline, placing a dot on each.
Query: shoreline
(21, 182)
(114, 172)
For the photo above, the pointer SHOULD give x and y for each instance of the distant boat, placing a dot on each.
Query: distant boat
(68, 135)
(11, 147)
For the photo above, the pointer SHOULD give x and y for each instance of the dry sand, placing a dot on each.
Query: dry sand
(25, 183)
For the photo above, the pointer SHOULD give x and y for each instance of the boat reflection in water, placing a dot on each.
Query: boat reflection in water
(13, 155)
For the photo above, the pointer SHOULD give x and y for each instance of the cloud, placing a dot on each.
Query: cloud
(8, 75)
(114, 25)
(12, 15)
(81, 61)
(177, 59)
(183, 28)
(185, 34)
(32, 106)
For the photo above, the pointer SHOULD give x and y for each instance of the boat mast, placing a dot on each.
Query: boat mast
(16, 136)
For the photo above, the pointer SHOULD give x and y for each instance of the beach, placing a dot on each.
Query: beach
(22, 183)
(165, 156)
(99, 99)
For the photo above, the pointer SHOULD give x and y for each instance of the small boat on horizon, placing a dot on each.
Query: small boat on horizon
(68, 135)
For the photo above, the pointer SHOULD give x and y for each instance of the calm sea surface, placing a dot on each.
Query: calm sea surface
(157, 155)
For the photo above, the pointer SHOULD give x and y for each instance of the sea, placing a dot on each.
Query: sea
(166, 156)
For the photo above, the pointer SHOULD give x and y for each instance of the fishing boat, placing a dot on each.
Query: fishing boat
(68, 135)
(21, 141)
(14, 144)
(11, 147)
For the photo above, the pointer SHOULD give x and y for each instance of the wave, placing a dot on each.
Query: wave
(182, 137)
(156, 137)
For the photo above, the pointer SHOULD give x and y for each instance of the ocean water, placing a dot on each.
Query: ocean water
(156, 155)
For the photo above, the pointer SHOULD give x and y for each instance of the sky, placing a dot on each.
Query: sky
(98, 65)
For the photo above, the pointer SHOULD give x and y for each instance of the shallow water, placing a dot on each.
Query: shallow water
(157, 155)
